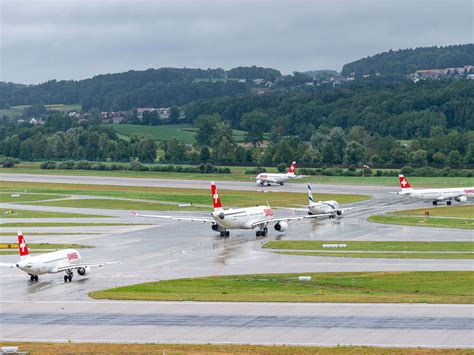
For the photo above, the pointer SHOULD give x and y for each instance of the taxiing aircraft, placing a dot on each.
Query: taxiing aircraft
(459, 194)
(277, 178)
(329, 208)
(238, 218)
(66, 260)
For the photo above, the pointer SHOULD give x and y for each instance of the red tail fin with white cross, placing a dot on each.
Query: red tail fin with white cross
(292, 168)
(215, 197)
(24, 253)
(404, 184)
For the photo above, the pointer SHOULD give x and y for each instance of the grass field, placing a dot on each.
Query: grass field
(16, 112)
(424, 287)
(14, 213)
(238, 174)
(121, 205)
(362, 249)
(424, 222)
(209, 349)
(184, 133)
(376, 255)
(462, 211)
(12, 248)
(196, 196)
(60, 224)
(372, 246)
(7, 197)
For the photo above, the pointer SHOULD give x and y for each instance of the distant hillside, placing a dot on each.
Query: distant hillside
(405, 61)
(162, 87)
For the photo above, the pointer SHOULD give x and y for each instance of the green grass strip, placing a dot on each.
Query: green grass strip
(424, 222)
(371, 246)
(424, 287)
(401, 255)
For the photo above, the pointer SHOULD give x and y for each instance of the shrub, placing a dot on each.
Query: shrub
(67, 165)
(407, 170)
(48, 165)
(137, 166)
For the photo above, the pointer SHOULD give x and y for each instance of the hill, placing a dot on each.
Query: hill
(162, 87)
(406, 61)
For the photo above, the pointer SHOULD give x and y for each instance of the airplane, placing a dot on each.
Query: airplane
(66, 260)
(330, 208)
(238, 218)
(459, 194)
(277, 178)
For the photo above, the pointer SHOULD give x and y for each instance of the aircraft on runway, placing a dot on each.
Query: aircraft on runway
(238, 218)
(66, 260)
(330, 208)
(459, 194)
(274, 178)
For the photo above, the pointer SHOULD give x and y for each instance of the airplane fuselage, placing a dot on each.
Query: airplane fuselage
(445, 194)
(323, 207)
(268, 179)
(241, 218)
(49, 263)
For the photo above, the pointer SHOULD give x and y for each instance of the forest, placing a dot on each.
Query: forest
(406, 61)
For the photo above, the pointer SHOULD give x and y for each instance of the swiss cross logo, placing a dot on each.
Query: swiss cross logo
(72, 256)
(22, 246)
(215, 197)
(404, 182)
(268, 212)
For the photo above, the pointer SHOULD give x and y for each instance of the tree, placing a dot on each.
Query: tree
(223, 143)
(175, 151)
(146, 150)
(337, 137)
(439, 158)
(354, 153)
(36, 110)
(328, 153)
(454, 157)
(283, 152)
(206, 125)
(419, 157)
(311, 155)
(256, 124)
(204, 153)
(174, 114)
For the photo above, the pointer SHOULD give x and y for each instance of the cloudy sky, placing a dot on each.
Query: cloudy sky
(75, 39)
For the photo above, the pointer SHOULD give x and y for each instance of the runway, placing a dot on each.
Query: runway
(398, 325)
(196, 184)
(154, 249)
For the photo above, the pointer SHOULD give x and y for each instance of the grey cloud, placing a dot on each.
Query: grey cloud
(73, 39)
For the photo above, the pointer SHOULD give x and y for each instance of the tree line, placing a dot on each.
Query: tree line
(406, 61)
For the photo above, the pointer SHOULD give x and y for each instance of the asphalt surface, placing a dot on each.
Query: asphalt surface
(153, 249)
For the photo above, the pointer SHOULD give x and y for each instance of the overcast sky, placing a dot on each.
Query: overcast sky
(75, 39)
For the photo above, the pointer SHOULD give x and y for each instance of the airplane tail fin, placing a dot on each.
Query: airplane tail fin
(310, 196)
(22, 247)
(215, 197)
(291, 171)
(404, 184)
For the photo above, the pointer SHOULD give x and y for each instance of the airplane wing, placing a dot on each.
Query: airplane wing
(285, 219)
(177, 218)
(10, 265)
(293, 209)
(77, 266)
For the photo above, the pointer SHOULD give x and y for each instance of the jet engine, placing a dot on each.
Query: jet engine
(281, 226)
(461, 198)
(83, 271)
(259, 182)
(339, 212)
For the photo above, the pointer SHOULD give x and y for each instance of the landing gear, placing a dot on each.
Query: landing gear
(33, 278)
(281, 184)
(262, 232)
(225, 234)
(68, 276)
(435, 203)
(448, 203)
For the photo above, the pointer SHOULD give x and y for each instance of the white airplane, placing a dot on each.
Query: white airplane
(277, 178)
(66, 260)
(329, 208)
(238, 218)
(459, 194)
